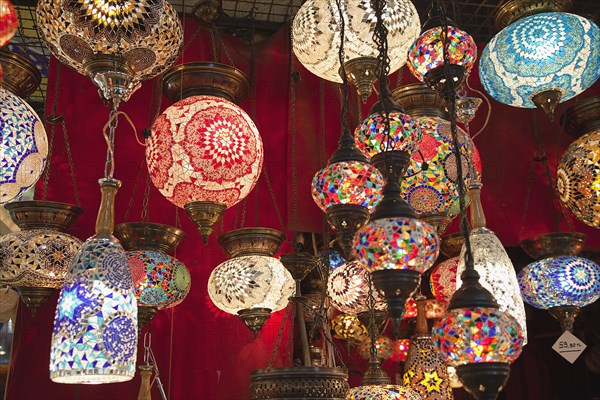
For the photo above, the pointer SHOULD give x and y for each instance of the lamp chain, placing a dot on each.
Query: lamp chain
(385, 98)
(145, 217)
(109, 167)
(341, 56)
(371, 305)
(294, 75)
(323, 149)
(279, 336)
(53, 120)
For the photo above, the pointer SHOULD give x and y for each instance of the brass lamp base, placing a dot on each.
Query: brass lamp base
(346, 219)
(418, 100)
(484, 380)
(396, 286)
(19, 75)
(145, 315)
(298, 383)
(205, 214)
(207, 12)
(452, 244)
(583, 117)
(255, 318)
(380, 318)
(299, 264)
(114, 77)
(547, 101)
(252, 241)
(37, 214)
(513, 10)
(362, 73)
(375, 375)
(566, 316)
(148, 236)
(437, 79)
(554, 244)
(205, 78)
(438, 220)
(34, 297)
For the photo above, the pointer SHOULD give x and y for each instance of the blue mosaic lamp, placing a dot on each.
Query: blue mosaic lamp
(541, 59)
(562, 285)
(95, 325)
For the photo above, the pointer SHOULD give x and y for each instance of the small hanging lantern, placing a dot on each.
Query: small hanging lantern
(348, 327)
(160, 280)
(8, 22)
(348, 289)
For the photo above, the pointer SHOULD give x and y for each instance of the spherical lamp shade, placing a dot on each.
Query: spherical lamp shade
(37, 258)
(159, 280)
(347, 182)
(425, 372)
(24, 146)
(146, 34)
(382, 392)
(396, 243)
(497, 274)
(348, 327)
(371, 134)
(434, 189)
(247, 282)
(383, 344)
(547, 51)
(335, 258)
(560, 281)
(95, 325)
(477, 335)
(427, 52)
(348, 289)
(443, 279)
(204, 148)
(316, 34)
(8, 22)
(578, 179)
(400, 350)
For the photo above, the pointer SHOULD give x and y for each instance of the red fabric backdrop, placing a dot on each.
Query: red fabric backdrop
(201, 352)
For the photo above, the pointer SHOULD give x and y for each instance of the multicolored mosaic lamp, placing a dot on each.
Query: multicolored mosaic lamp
(383, 345)
(205, 153)
(401, 347)
(425, 372)
(426, 55)
(496, 271)
(542, 59)
(24, 141)
(316, 38)
(95, 326)
(36, 260)
(160, 281)
(430, 183)
(562, 285)
(117, 45)
(578, 173)
(382, 392)
(348, 289)
(8, 22)
(253, 283)
(443, 279)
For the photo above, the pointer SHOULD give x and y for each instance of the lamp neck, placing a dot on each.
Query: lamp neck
(421, 329)
(105, 222)
(476, 209)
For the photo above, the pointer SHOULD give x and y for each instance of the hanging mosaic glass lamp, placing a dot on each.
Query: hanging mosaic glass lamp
(95, 326)
(559, 281)
(160, 281)
(401, 347)
(496, 271)
(394, 246)
(542, 56)
(425, 372)
(382, 392)
(348, 327)
(116, 44)
(316, 39)
(426, 55)
(252, 283)
(205, 153)
(8, 22)
(348, 289)
(430, 185)
(442, 280)
(578, 172)
(24, 141)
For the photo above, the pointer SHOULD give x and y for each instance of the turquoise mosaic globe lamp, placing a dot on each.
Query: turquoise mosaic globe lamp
(562, 285)
(542, 59)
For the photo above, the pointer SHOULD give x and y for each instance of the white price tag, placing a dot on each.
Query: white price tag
(569, 346)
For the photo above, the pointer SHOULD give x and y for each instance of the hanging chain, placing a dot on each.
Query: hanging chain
(53, 120)
(273, 199)
(213, 44)
(192, 38)
(150, 360)
(293, 76)
(279, 336)
(135, 186)
(380, 39)
(71, 164)
(109, 167)
(371, 301)
(145, 217)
